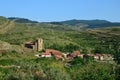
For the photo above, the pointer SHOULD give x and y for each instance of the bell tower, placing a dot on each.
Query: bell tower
(39, 44)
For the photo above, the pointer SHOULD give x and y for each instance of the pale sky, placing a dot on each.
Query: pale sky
(60, 10)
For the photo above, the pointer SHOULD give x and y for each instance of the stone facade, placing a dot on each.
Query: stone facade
(36, 45)
(39, 44)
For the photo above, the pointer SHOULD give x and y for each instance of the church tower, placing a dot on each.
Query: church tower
(39, 44)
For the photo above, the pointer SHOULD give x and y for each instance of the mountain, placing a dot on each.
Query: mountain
(3, 20)
(90, 23)
(22, 20)
(5, 24)
(74, 24)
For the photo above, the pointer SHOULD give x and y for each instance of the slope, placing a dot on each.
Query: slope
(5, 25)
(65, 39)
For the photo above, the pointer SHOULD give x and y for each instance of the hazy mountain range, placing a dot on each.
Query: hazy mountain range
(76, 23)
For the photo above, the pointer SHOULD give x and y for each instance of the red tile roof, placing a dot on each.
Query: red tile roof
(98, 55)
(107, 54)
(56, 53)
(30, 43)
(91, 54)
(75, 53)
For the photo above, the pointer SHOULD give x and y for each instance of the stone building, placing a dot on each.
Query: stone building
(39, 44)
(35, 45)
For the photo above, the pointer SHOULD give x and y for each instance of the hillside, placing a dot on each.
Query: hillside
(90, 23)
(5, 24)
(58, 36)
(20, 63)
(22, 20)
(73, 24)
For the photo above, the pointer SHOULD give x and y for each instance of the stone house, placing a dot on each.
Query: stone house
(50, 53)
(35, 45)
(98, 57)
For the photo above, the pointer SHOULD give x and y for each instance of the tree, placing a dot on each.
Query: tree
(71, 47)
(77, 61)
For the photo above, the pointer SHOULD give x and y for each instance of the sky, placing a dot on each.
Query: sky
(60, 10)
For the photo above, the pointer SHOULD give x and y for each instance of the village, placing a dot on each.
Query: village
(38, 46)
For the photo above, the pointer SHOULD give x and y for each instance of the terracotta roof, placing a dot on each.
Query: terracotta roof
(98, 54)
(58, 56)
(30, 43)
(107, 54)
(75, 53)
(90, 54)
(54, 52)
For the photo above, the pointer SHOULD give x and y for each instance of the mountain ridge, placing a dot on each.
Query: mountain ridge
(22, 20)
(91, 23)
(79, 24)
